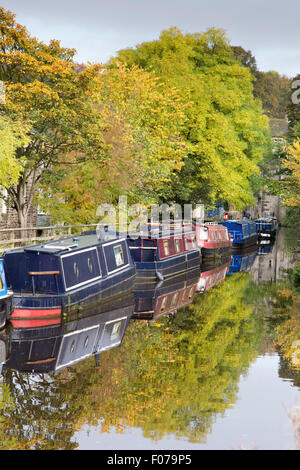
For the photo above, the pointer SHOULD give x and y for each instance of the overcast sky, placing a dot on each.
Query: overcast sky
(99, 28)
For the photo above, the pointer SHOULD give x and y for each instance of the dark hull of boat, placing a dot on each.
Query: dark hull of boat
(5, 309)
(245, 244)
(102, 290)
(163, 269)
(215, 252)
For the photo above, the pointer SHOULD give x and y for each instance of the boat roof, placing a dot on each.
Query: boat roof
(80, 241)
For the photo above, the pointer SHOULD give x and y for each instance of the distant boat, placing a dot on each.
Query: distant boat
(267, 227)
(166, 298)
(86, 333)
(213, 239)
(243, 232)
(5, 297)
(57, 278)
(159, 254)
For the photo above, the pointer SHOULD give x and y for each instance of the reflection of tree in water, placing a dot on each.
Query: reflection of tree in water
(174, 376)
(40, 411)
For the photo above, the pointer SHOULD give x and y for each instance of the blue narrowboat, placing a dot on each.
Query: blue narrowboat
(55, 278)
(266, 227)
(167, 297)
(83, 334)
(159, 254)
(243, 233)
(5, 297)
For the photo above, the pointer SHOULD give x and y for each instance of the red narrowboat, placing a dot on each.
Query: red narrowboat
(213, 239)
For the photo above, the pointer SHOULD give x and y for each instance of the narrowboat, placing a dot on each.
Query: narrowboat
(242, 261)
(213, 240)
(212, 276)
(243, 233)
(5, 297)
(159, 254)
(77, 337)
(167, 297)
(266, 227)
(52, 279)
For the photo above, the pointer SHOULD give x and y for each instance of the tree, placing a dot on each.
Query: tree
(225, 131)
(45, 88)
(143, 143)
(12, 136)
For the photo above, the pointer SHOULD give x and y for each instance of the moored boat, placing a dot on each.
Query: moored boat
(243, 233)
(160, 254)
(266, 227)
(5, 297)
(56, 278)
(213, 239)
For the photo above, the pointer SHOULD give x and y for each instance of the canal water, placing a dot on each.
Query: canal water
(222, 373)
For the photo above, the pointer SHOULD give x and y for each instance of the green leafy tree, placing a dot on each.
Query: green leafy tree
(225, 131)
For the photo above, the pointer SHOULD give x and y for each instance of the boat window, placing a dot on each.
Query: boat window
(163, 304)
(174, 299)
(177, 245)
(221, 235)
(115, 331)
(119, 255)
(76, 270)
(90, 265)
(166, 247)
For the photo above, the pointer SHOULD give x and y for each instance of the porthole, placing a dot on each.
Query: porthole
(76, 270)
(90, 265)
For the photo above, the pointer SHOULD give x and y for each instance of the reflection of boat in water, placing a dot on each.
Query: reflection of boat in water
(212, 276)
(52, 278)
(166, 297)
(83, 334)
(242, 261)
(265, 247)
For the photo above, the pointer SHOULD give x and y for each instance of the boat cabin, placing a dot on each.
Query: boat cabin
(242, 232)
(213, 239)
(69, 271)
(158, 254)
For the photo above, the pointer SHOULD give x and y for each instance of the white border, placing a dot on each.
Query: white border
(85, 282)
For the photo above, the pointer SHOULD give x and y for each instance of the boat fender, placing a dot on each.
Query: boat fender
(159, 276)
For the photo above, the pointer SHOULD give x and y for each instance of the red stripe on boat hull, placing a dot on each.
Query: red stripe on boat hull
(35, 313)
(35, 318)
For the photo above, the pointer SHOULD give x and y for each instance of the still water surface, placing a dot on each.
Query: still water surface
(217, 374)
